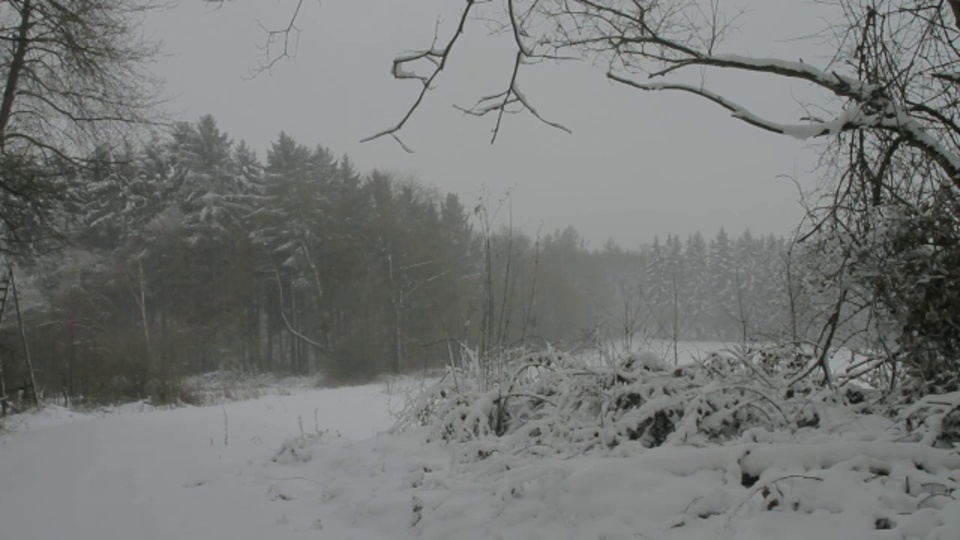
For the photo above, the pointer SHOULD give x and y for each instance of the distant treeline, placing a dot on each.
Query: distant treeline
(189, 254)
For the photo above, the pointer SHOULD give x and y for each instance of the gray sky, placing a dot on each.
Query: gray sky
(636, 165)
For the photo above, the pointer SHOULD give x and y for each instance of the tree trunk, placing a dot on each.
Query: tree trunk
(23, 341)
(143, 305)
(955, 5)
(17, 63)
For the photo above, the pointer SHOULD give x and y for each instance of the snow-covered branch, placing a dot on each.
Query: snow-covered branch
(799, 131)
(884, 115)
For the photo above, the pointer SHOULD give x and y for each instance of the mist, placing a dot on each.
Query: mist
(509, 269)
(636, 166)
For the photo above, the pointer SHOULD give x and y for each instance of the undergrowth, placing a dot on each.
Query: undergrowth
(553, 401)
(781, 431)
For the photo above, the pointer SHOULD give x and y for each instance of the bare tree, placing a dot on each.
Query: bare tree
(630, 316)
(889, 99)
(74, 80)
(894, 71)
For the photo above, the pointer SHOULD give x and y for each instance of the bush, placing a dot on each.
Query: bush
(760, 434)
(552, 401)
(912, 266)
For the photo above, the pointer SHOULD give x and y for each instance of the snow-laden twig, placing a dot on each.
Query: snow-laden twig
(848, 120)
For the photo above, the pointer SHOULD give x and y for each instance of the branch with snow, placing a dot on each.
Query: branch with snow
(658, 39)
(798, 131)
(868, 107)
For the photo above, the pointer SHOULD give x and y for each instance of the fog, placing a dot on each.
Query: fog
(372, 269)
(637, 165)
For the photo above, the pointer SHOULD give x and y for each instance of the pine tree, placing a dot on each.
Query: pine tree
(656, 279)
(697, 285)
(722, 285)
(210, 179)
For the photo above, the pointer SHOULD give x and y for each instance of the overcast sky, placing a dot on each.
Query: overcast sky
(636, 165)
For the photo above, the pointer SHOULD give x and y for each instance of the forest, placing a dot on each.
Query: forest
(191, 254)
(423, 367)
(149, 249)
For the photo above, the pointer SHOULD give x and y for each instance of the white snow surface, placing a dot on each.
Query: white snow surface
(169, 474)
(320, 464)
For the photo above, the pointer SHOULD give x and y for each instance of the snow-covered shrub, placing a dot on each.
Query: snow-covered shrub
(911, 265)
(698, 451)
(934, 420)
(552, 400)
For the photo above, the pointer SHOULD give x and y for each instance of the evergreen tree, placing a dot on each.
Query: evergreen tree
(722, 285)
(696, 296)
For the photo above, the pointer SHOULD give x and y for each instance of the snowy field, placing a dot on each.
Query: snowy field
(317, 464)
(199, 473)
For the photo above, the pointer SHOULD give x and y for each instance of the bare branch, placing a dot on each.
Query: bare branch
(498, 103)
(288, 37)
(440, 57)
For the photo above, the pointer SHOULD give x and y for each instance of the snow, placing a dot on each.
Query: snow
(798, 131)
(324, 464)
(49, 416)
(167, 474)
(686, 494)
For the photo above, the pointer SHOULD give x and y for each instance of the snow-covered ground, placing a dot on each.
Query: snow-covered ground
(198, 473)
(317, 464)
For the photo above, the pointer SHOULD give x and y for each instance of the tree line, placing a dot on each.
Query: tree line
(188, 254)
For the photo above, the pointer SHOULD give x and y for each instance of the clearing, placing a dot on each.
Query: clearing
(170, 474)
(318, 465)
